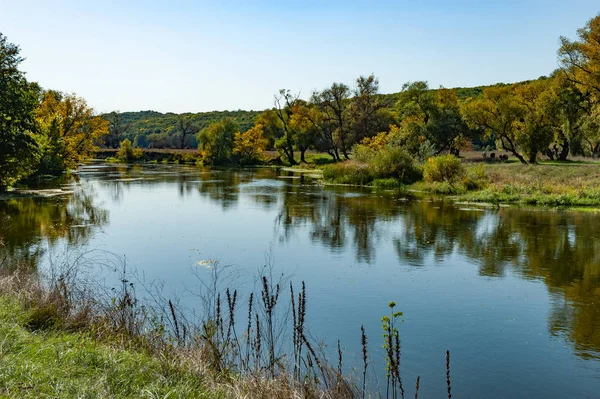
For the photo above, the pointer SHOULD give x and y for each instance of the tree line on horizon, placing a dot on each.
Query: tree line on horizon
(47, 132)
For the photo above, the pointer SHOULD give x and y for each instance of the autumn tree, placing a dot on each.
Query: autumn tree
(117, 128)
(304, 130)
(534, 129)
(18, 101)
(250, 145)
(580, 58)
(70, 129)
(497, 113)
(580, 63)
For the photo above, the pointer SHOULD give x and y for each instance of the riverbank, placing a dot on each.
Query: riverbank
(64, 339)
(569, 184)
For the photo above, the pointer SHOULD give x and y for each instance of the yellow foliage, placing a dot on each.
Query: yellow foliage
(69, 118)
(250, 144)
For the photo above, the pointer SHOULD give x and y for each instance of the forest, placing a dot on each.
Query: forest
(46, 132)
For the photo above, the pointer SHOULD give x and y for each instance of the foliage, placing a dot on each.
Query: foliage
(18, 100)
(397, 163)
(443, 168)
(71, 127)
(249, 145)
(127, 153)
(216, 142)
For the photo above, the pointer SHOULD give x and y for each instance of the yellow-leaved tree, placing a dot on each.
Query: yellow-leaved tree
(250, 144)
(69, 131)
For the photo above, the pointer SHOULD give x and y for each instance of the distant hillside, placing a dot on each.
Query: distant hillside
(143, 124)
(151, 128)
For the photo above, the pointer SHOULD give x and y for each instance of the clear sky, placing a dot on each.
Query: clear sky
(191, 56)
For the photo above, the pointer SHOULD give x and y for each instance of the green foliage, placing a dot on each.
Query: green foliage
(127, 153)
(151, 129)
(348, 172)
(19, 153)
(216, 142)
(443, 168)
(396, 163)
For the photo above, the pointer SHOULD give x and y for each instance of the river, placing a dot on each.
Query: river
(513, 293)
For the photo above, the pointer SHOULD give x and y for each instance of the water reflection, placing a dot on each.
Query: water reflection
(29, 225)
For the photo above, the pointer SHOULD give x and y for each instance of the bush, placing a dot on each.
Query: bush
(349, 172)
(397, 163)
(476, 179)
(127, 153)
(443, 168)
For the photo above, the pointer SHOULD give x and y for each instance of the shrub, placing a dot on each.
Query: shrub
(476, 179)
(397, 163)
(443, 168)
(127, 153)
(349, 172)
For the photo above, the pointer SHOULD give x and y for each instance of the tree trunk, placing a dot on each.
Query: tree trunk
(564, 152)
(302, 151)
(532, 158)
(512, 150)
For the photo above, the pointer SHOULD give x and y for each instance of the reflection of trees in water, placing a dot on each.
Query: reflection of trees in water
(26, 223)
(560, 248)
(336, 218)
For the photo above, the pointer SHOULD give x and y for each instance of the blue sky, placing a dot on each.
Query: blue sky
(191, 56)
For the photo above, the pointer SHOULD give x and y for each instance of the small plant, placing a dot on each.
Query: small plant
(391, 344)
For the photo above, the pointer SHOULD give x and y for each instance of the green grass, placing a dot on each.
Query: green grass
(552, 183)
(47, 363)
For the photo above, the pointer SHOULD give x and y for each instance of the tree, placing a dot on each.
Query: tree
(333, 103)
(497, 113)
(185, 128)
(305, 132)
(534, 129)
(250, 145)
(580, 59)
(567, 106)
(117, 128)
(73, 127)
(364, 107)
(284, 103)
(580, 65)
(432, 116)
(216, 141)
(18, 100)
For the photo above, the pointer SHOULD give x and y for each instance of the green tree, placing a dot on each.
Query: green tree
(497, 113)
(432, 116)
(364, 109)
(216, 141)
(117, 128)
(284, 102)
(333, 103)
(185, 128)
(18, 100)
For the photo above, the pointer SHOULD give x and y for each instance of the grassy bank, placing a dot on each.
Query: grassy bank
(61, 337)
(547, 184)
(74, 364)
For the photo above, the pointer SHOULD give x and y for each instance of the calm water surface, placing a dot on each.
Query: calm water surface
(514, 294)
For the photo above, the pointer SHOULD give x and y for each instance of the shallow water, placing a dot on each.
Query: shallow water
(514, 294)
